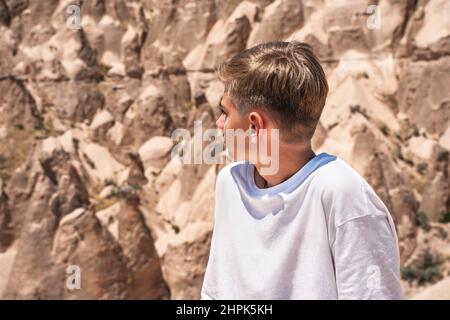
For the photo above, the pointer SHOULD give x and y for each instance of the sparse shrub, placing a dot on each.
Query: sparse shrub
(125, 192)
(19, 126)
(422, 168)
(356, 108)
(384, 129)
(76, 144)
(422, 221)
(109, 182)
(442, 233)
(424, 269)
(89, 161)
(391, 101)
(445, 218)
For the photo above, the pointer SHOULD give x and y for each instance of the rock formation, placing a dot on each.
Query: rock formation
(88, 104)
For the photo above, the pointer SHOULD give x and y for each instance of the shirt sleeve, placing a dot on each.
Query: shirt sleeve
(367, 262)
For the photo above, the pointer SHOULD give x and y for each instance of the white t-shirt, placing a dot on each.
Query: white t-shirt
(321, 234)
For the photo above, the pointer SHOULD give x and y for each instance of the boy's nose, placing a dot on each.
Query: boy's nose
(220, 122)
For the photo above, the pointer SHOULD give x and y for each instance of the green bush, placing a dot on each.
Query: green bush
(422, 221)
(424, 269)
(445, 218)
(422, 168)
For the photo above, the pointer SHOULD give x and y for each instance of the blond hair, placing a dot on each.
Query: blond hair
(283, 78)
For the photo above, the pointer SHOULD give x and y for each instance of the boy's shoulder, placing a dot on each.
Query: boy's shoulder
(339, 176)
(348, 192)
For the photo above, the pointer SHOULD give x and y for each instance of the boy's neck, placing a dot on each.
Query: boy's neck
(292, 159)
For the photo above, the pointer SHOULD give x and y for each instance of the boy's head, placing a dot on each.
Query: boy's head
(277, 85)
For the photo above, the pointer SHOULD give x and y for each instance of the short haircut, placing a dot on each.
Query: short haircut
(283, 78)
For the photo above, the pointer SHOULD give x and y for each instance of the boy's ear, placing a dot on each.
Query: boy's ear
(256, 120)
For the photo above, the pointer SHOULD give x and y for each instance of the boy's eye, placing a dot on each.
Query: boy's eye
(222, 111)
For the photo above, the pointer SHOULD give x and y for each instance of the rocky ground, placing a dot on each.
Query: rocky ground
(86, 116)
